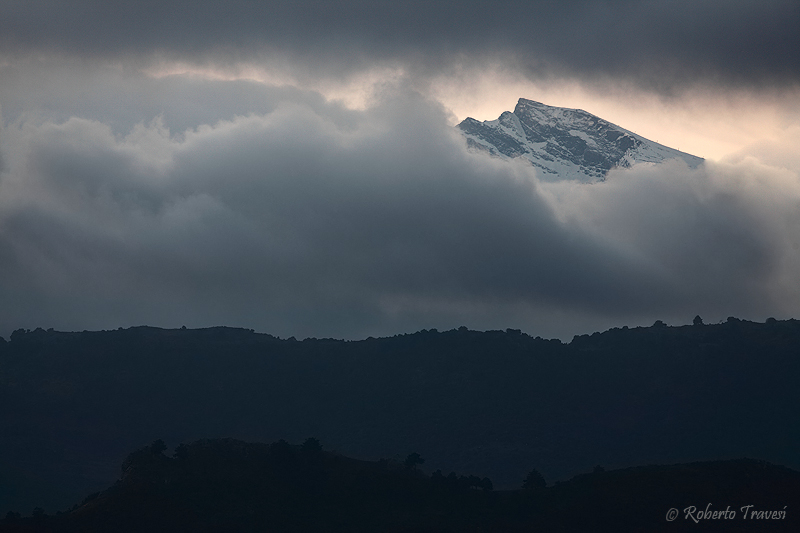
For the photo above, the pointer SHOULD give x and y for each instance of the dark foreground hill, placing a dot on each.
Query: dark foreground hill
(495, 403)
(227, 485)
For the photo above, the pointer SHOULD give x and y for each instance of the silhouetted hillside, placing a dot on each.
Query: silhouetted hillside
(494, 403)
(228, 485)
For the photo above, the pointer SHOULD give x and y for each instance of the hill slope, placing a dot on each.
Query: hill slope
(228, 485)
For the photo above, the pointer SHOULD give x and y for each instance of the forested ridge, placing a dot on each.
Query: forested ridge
(492, 404)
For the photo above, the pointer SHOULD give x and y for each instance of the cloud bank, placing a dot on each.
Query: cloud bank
(310, 219)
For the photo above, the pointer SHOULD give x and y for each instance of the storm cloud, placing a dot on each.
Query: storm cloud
(664, 47)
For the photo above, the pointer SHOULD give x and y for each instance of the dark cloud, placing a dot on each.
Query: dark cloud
(660, 46)
(307, 219)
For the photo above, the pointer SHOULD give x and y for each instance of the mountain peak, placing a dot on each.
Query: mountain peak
(564, 143)
(532, 103)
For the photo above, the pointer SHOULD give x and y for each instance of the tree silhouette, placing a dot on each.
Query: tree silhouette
(311, 445)
(413, 460)
(534, 480)
(697, 321)
(158, 447)
(181, 452)
(281, 450)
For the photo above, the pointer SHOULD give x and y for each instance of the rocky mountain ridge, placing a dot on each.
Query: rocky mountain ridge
(565, 144)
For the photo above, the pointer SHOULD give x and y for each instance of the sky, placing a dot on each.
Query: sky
(292, 167)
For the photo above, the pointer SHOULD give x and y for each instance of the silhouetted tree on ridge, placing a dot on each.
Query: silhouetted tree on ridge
(157, 447)
(413, 460)
(534, 480)
(311, 445)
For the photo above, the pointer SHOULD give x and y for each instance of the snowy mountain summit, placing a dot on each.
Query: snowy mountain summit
(565, 144)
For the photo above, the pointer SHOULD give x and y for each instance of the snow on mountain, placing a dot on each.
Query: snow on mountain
(565, 144)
